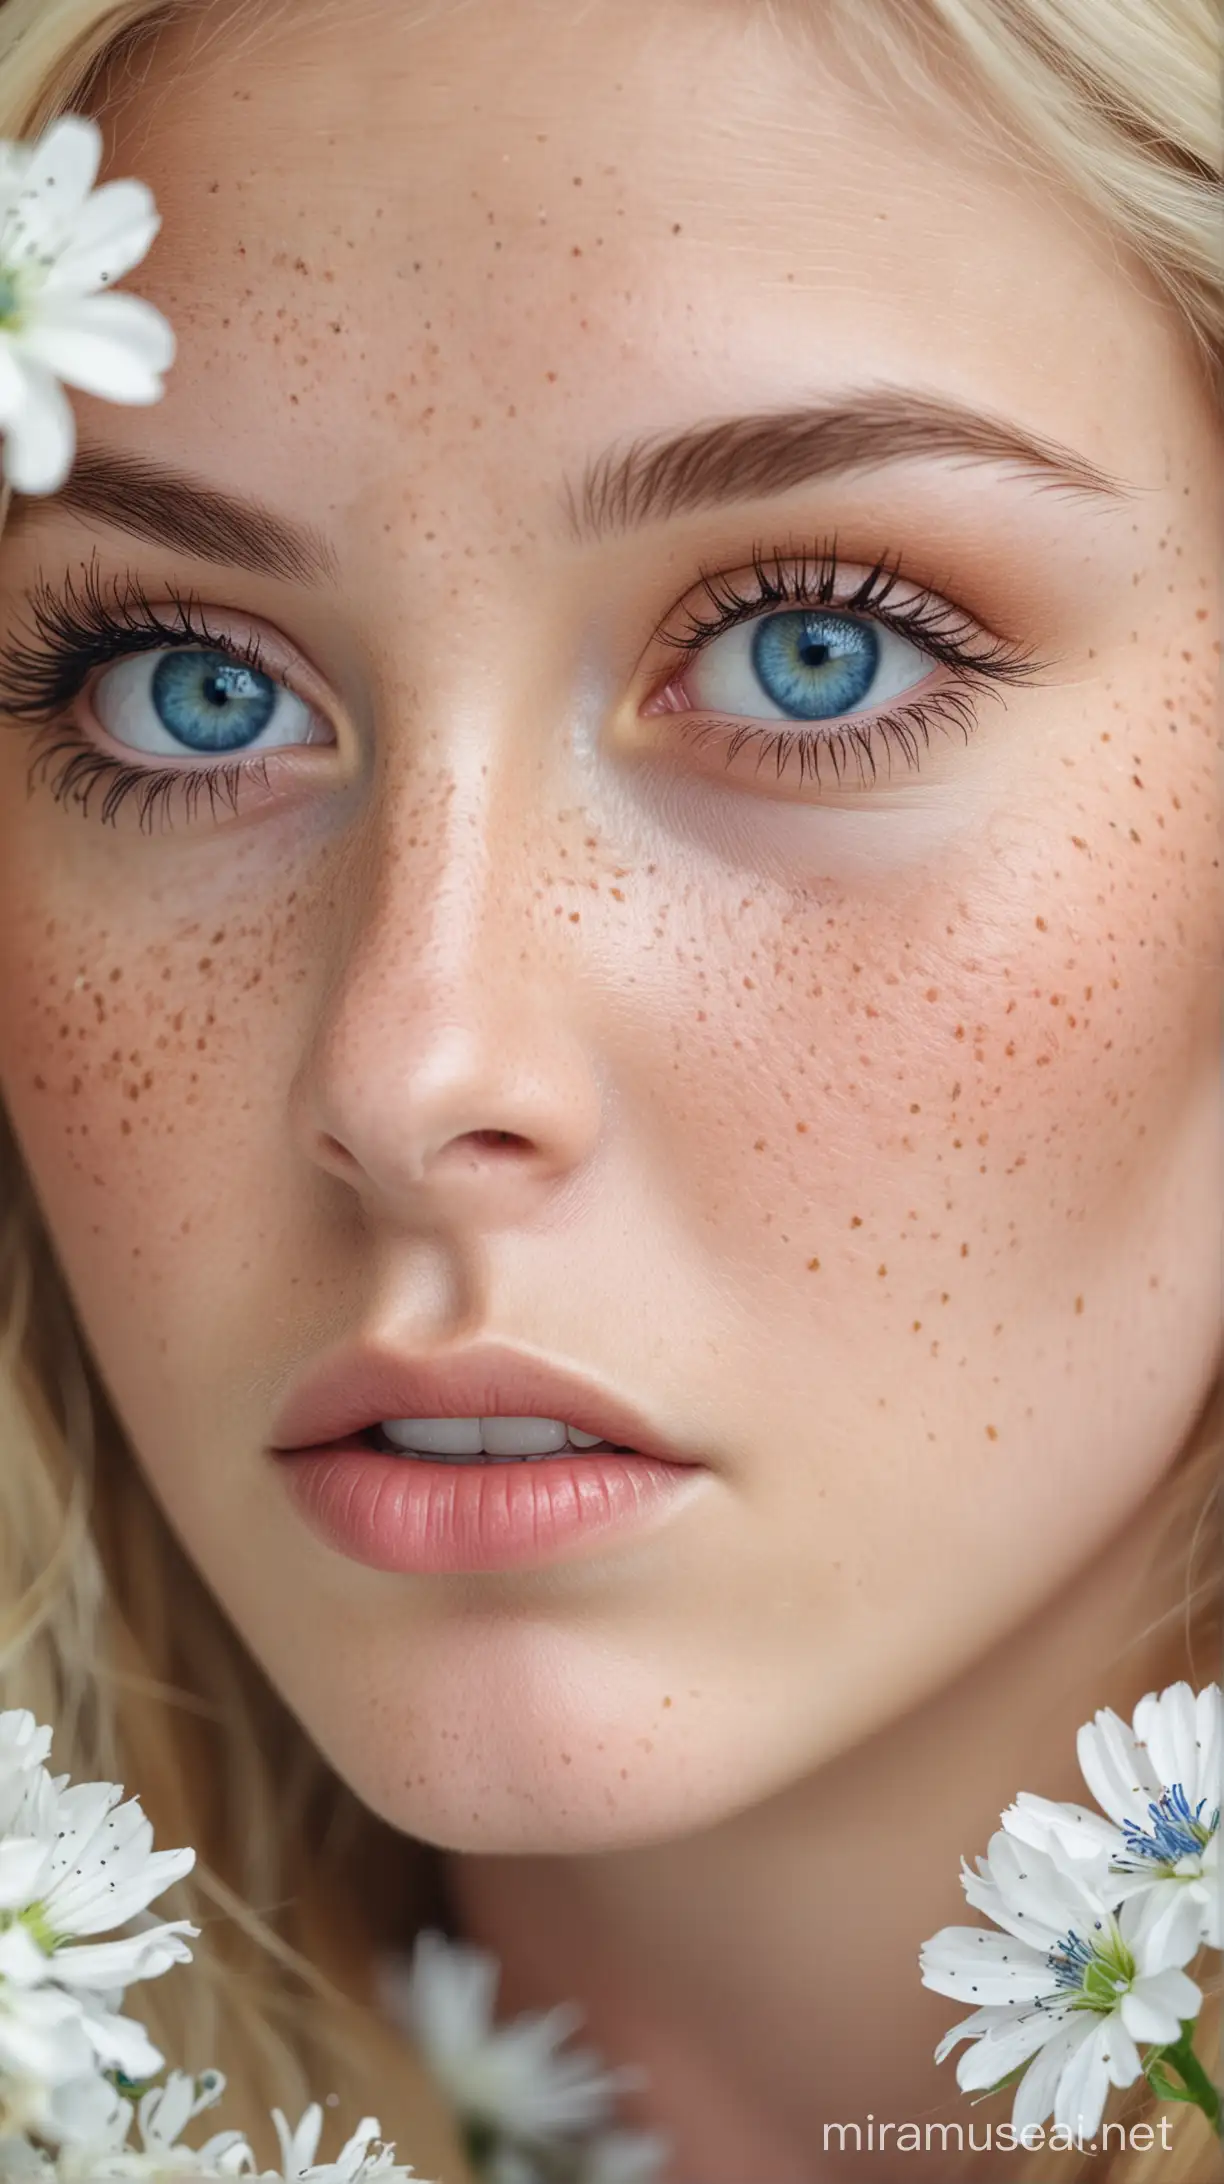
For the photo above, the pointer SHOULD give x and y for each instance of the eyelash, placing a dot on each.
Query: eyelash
(778, 581)
(86, 626)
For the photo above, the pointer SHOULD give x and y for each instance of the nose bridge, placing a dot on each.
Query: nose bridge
(448, 1072)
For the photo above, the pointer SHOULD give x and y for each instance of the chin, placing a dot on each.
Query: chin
(532, 1814)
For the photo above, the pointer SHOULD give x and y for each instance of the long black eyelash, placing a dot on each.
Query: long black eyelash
(812, 579)
(86, 625)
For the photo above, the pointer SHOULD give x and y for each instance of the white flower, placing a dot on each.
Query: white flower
(100, 2145)
(1159, 1782)
(62, 245)
(86, 1865)
(355, 2162)
(1068, 1987)
(510, 2076)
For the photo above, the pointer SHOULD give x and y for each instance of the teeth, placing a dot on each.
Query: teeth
(496, 1440)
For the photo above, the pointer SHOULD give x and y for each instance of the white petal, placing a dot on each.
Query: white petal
(121, 2044)
(1083, 2088)
(39, 436)
(107, 1964)
(21, 1864)
(112, 346)
(1014, 2036)
(113, 234)
(1070, 1830)
(22, 1962)
(1174, 1992)
(1162, 1925)
(1209, 1735)
(1121, 1778)
(59, 177)
(974, 1965)
(1038, 2088)
(1165, 1723)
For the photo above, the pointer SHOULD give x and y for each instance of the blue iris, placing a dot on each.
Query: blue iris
(210, 702)
(815, 665)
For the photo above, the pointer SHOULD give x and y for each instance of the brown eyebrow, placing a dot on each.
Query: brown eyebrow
(151, 501)
(744, 458)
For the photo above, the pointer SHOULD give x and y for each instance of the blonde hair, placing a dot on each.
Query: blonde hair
(105, 1628)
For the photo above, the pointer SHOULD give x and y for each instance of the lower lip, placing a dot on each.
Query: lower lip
(409, 1515)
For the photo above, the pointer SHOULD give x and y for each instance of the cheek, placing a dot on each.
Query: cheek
(977, 1120)
(140, 1074)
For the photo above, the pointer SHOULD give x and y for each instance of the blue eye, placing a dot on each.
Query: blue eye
(201, 704)
(809, 663)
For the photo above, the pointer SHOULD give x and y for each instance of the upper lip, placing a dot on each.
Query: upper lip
(358, 1388)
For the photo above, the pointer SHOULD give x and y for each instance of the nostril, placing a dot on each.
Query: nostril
(494, 1139)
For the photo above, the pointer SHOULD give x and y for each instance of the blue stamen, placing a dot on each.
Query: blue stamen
(1176, 1832)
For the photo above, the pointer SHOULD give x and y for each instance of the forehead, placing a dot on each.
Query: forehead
(394, 229)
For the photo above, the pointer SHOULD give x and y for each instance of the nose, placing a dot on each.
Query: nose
(449, 1079)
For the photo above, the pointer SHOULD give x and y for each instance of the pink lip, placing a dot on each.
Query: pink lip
(360, 1387)
(408, 1514)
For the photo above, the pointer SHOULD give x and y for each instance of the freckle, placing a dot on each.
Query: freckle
(667, 1702)
(880, 1271)
(1079, 1305)
(1040, 924)
(915, 1108)
(917, 1327)
(992, 1433)
(126, 1127)
(964, 1251)
(115, 977)
(40, 1084)
(932, 993)
(944, 1296)
(960, 1031)
(813, 1266)
(956, 1090)
(856, 1220)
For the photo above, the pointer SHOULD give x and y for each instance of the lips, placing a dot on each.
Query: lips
(348, 1394)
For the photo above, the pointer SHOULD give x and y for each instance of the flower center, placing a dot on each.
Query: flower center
(1176, 1832)
(37, 1925)
(1098, 1971)
(10, 302)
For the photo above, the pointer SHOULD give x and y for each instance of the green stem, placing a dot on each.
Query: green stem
(1196, 2087)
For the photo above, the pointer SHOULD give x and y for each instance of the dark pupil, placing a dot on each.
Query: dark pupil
(209, 702)
(815, 665)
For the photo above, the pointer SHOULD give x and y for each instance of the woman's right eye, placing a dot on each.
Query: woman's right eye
(184, 702)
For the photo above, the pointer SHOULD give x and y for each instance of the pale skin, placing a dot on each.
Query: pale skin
(866, 1139)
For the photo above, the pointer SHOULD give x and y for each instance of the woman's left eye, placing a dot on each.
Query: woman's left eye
(805, 664)
(189, 703)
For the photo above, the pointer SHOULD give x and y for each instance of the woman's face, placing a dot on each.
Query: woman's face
(802, 848)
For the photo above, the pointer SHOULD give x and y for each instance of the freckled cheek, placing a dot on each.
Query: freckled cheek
(835, 1078)
(126, 1085)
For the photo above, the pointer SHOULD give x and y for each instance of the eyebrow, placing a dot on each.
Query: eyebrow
(659, 476)
(745, 458)
(172, 508)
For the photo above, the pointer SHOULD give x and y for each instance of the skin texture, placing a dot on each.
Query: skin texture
(867, 1142)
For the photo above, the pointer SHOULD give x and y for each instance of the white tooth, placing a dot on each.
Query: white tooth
(435, 1436)
(584, 1440)
(522, 1436)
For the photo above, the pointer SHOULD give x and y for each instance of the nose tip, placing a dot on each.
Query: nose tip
(409, 1141)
